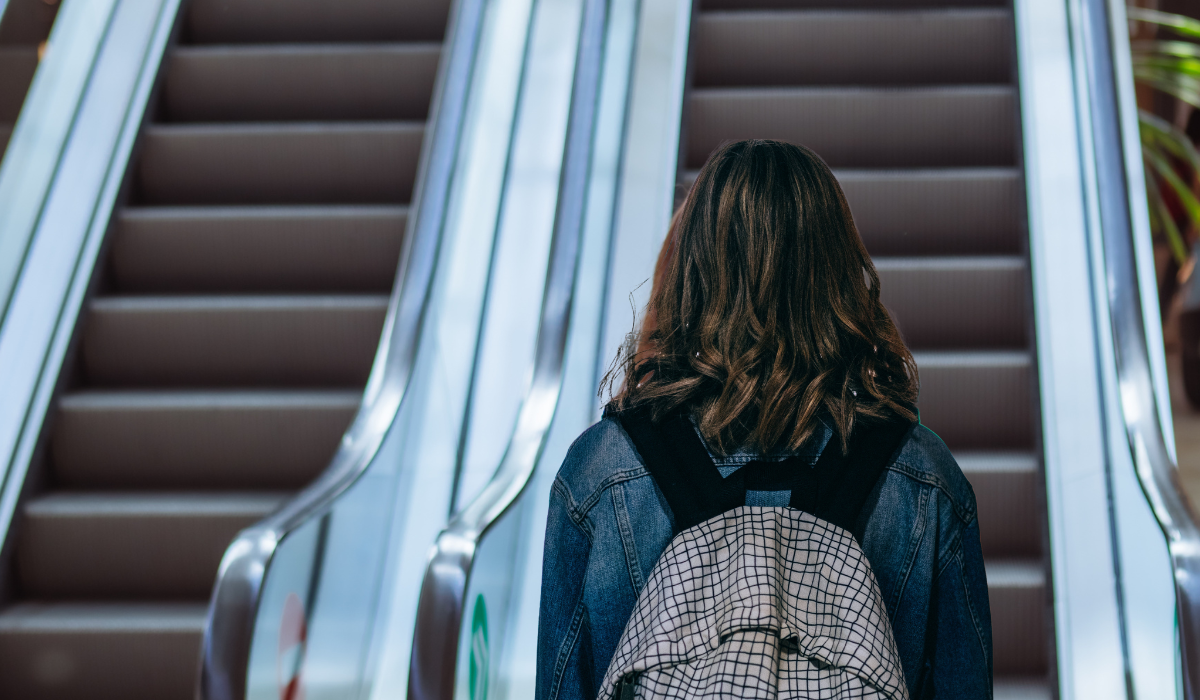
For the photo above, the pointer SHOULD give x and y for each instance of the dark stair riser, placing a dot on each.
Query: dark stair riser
(971, 211)
(825, 47)
(130, 546)
(213, 440)
(863, 128)
(280, 249)
(305, 341)
(301, 82)
(308, 163)
(100, 652)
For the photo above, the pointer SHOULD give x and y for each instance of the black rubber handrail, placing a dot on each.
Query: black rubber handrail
(1156, 470)
(236, 596)
(440, 610)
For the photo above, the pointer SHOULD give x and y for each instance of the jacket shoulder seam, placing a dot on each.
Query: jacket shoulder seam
(964, 513)
(579, 510)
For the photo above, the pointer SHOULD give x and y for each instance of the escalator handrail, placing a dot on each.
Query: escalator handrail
(238, 588)
(29, 168)
(29, 163)
(439, 615)
(1117, 164)
(60, 179)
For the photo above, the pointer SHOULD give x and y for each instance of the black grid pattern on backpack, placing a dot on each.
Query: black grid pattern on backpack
(759, 603)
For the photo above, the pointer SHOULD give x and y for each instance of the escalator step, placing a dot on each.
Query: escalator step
(153, 546)
(224, 21)
(975, 211)
(821, 47)
(855, 127)
(956, 302)
(944, 211)
(978, 400)
(912, 103)
(300, 82)
(1007, 497)
(1022, 688)
(311, 163)
(17, 65)
(101, 651)
(846, 4)
(206, 341)
(257, 248)
(203, 440)
(1018, 596)
(269, 186)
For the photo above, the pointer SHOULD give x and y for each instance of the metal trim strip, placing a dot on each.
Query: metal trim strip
(440, 610)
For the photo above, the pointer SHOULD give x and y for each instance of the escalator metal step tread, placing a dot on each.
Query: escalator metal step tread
(258, 21)
(257, 248)
(978, 400)
(100, 651)
(838, 47)
(1006, 495)
(154, 546)
(956, 302)
(1022, 688)
(860, 127)
(716, 5)
(1017, 591)
(17, 65)
(200, 439)
(952, 211)
(262, 340)
(276, 163)
(300, 82)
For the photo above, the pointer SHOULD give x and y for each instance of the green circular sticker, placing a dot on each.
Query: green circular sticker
(479, 651)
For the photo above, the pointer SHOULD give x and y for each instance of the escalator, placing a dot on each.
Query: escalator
(234, 316)
(916, 111)
(253, 394)
(983, 148)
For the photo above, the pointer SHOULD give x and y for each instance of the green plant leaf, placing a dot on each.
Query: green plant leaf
(1160, 213)
(1185, 26)
(1178, 68)
(1165, 170)
(1170, 64)
(1158, 133)
(1184, 87)
(1177, 49)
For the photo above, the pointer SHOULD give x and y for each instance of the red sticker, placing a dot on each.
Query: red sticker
(293, 638)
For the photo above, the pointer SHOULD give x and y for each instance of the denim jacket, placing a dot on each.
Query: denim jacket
(608, 524)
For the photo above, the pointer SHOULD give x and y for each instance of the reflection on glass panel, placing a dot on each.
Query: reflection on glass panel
(24, 28)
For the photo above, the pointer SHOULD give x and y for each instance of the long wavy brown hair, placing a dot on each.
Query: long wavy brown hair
(765, 314)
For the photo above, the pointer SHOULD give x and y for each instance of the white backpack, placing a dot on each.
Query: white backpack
(759, 602)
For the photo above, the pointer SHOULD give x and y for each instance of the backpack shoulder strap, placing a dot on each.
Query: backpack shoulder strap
(681, 467)
(844, 483)
(834, 489)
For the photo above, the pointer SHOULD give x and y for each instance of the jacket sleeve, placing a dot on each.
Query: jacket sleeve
(565, 667)
(962, 656)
